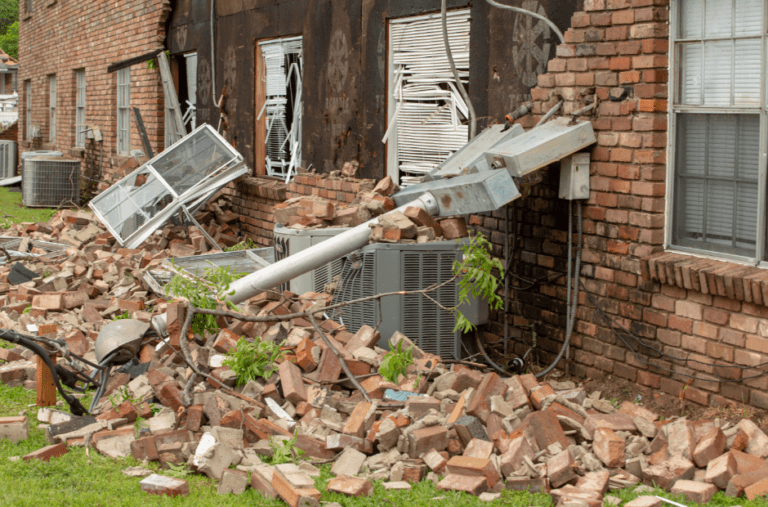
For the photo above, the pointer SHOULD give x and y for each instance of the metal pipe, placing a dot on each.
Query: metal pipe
(519, 112)
(459, 85)
(306, 260)
(532, 14)
(584, 110)
(506, 278)
(550, 113)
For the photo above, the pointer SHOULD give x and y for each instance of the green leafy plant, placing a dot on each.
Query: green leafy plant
(179, 471)
(205, 292)
(396, 361)
(285, 451)
(476, 278)
(27, 310)
(253, 359)
(248, 244)
(152, 64)
(138, 425)
(124, 315)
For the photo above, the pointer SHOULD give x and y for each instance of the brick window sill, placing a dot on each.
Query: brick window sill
(708, 276)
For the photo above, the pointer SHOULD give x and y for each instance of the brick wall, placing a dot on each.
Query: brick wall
(255, 197)
(11, 132)
(59, 37)
(707, 316)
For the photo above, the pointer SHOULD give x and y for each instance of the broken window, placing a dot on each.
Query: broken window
(719, 124)
(171, 185)
(184, 70)
(282, 80)
(80, 108)
(189, 105)
(123, 111)
(52, 106)
(427, 116)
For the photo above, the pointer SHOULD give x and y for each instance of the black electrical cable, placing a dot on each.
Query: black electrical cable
(27, 342)
(610, 321)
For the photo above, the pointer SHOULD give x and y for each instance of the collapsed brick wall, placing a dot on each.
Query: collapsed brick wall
(62, 37)
(617, 50)
(255, 197)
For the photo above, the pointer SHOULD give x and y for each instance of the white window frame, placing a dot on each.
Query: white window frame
(52, 108)
(28, 114)
(123, 126)
(80, 108)
(674, 109)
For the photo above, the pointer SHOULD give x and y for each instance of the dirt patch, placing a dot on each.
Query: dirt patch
(618, 390)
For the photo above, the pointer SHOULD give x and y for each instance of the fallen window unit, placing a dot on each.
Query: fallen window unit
(242, 261)
(178, 180)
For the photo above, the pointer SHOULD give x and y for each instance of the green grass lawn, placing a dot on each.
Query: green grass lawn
(78, 480)
(12, 211)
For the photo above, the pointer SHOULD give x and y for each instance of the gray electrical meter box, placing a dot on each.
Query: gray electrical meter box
(574, 177)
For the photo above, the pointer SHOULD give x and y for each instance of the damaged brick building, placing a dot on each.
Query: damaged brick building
(674, 295)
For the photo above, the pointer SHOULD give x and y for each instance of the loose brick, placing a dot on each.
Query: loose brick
(292, 382)
(608, 447)
(46, 453)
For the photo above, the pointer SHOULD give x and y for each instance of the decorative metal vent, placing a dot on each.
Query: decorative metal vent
(50, 182)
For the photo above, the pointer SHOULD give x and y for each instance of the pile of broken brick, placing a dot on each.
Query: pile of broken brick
(413, 225)
(450, 422)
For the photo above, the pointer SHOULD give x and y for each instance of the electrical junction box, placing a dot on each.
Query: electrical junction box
(574, 177)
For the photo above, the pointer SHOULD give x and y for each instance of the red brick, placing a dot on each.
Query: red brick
(46, 453)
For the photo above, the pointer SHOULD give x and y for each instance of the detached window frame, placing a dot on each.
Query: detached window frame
(718, 130)
(80, 87)
(52, 108)
(123, 126)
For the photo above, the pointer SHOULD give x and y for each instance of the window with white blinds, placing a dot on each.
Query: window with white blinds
(427, 116)
(123, 111)
(80, 108)
(52, 109)
(716, 194)
(28, 112)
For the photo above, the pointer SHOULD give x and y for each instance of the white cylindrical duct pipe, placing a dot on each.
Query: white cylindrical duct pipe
(307, 260)
(316, 256)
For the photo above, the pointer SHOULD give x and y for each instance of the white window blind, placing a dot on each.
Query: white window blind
(428, 115)
(718, 110)
(123, 111)
(52, 104)
(80, 108)
(283, 75)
